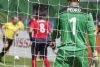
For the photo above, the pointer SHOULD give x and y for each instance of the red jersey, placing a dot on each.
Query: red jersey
(41, 28)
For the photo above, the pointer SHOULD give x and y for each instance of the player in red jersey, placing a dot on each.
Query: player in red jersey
(41, 28)
(32, 19)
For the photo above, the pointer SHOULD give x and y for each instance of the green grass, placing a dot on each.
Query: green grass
(23, 62)
(10, 62)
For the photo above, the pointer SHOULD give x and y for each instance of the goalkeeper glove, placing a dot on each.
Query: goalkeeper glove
(95, 59)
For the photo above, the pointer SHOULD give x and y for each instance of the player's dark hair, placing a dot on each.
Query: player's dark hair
(73, 0)
(14, 17)
(20, 18)
(40, 15)
(40, 10)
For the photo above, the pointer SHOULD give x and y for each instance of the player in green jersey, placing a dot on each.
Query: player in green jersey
(72, 24)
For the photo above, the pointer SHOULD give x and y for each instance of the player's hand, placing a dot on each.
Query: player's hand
(96, 59)
(17, 34)
(30, 35)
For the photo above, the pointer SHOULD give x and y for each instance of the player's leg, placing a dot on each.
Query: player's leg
(34, 51)
(46, 61)
(43, 53)
(5, 49)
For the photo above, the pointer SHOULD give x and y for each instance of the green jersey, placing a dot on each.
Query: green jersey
(73, 24)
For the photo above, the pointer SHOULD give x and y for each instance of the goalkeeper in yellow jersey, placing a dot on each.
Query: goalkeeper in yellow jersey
(10, 29)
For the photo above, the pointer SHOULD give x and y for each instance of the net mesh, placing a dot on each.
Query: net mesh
(19, 55)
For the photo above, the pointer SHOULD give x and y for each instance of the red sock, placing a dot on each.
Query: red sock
(34, 63)
(46, 62)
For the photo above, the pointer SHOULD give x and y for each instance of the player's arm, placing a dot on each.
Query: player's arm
(91, 34)
(17, 31)
(92, 39)
(4, 28)
(31, 30)
(49, 27)
(21, 25)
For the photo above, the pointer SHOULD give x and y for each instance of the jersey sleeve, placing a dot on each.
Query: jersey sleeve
(4, 26)
(32, 25)
(49, 27)
(56, 33)
(21, 25)
(91, 34)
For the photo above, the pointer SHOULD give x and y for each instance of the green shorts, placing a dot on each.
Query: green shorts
(72, 59)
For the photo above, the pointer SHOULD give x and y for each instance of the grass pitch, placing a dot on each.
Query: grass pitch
(9, 61)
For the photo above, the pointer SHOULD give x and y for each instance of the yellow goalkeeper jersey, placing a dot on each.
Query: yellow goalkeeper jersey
(10, 30)
(21, 25)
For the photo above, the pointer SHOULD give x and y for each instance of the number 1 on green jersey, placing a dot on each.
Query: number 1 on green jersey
(73, 21)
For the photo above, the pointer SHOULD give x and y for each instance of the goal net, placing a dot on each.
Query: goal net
(19, 55)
